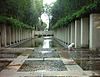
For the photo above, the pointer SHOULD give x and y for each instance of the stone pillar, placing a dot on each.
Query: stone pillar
(30, 33)
(11, 35)
(3, 36)
(57, 33)
(66, 38)
(0, 36)
(18, 35)
(63, 37)
(21, 36)
(8, 35)
(14, 35)
(65, 34)
(73, 32)
(60, 35)
(94, 31)
(25, 33)
(68, 34)
(77, 34)
(33, 34)
(84, 32)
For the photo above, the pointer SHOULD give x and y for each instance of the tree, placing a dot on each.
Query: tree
(63, 8)
(26, 11)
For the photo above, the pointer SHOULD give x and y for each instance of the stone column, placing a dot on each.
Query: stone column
(21, 36)
(33, 34)
(14, 35)
(66, 36)
(30, 34)
(60, 35)
(11, 35)
(3, 35)
(25, 33)
(84, 32)
(57, 33)
(73, 32)
(59, 30)
(8, 35)
(77, 33)
(18, 35)
(94, 31)
(63, 37)
(0, 36)
(69, 33)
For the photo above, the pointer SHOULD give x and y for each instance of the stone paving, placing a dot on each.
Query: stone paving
(31, 63)
(70, 69)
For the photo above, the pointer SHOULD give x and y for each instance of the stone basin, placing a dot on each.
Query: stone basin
(38, 65)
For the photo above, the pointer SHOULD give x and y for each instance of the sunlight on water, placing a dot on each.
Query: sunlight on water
(46, 45)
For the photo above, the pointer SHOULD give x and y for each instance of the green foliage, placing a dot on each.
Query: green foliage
(86, 10)
(66, 11)
(26, 11)
(13, 22)
(63, 8)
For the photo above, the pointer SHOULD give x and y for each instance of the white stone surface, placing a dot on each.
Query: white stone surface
(94, 32)
(77, 33)
(84, 32)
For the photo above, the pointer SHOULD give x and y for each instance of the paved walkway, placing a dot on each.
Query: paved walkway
(73, 70)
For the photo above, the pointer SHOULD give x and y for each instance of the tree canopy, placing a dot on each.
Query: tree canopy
(26, 11)
(64, 11)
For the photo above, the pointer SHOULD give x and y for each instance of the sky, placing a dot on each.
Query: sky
(44, 16)
(48, 1)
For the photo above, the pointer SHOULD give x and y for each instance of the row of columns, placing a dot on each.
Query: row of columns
(84, 32)
(10, 35)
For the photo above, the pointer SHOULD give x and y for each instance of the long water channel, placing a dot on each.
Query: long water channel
(47, 48)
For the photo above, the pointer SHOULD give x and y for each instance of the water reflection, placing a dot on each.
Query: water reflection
(46, 45)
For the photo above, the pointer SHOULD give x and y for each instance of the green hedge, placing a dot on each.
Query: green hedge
(13, 22)
(84, 11)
